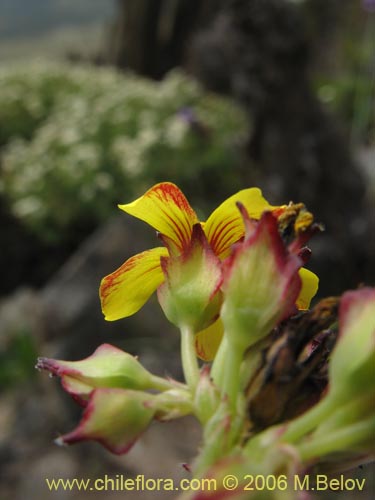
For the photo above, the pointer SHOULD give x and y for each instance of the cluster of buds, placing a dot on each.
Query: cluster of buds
(276, 387)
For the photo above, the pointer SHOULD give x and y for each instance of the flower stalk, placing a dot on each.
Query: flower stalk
(230, 381)
(344, 439)
(189, 358)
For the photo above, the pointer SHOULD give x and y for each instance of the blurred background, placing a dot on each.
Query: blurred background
(99, 100)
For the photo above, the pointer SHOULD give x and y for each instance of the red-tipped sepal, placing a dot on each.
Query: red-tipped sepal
(260, 283)
(351, 368)
(113, 417)
(190, 295)
(108, 366)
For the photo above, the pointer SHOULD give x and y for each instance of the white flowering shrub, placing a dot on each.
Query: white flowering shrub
(78, 139)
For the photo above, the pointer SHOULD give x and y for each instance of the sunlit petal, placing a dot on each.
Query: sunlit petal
(310, 283)
(167, 210)
(123, 292)
(207, 341)
(225, 225)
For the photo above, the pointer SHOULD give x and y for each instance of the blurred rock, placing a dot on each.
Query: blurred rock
(53, 464)
(20, 312)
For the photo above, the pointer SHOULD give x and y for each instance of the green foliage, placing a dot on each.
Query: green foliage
(348, 88)
(78, 140)
(17, 360)
(352, 99)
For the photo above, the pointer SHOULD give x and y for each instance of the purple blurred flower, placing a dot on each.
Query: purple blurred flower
(188, 115)
(369, 5)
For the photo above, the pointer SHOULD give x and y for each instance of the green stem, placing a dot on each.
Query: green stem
(251, 363)
(225, 370)
(162, 384)
(217, 440)
(207, 457)
(306, 423)
(340, 440)
(219, 363)
(189, 359)
(175, 403)
(231, 380)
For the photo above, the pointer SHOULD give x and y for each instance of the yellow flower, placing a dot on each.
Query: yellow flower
(166, 209)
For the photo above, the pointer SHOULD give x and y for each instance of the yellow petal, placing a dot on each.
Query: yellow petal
(207, 341)
(310, 283)
(165, 208)
(124, 292)
(225, 226)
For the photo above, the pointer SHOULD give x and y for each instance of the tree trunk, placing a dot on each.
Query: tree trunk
(151, 36)
(257, 51)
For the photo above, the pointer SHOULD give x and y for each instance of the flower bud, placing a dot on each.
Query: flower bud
(107, 367)
(113, 417)
(343, 420)
(260, 284)
(351, 368)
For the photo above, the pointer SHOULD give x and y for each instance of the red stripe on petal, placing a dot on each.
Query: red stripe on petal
(167, 210)
(124, 292)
